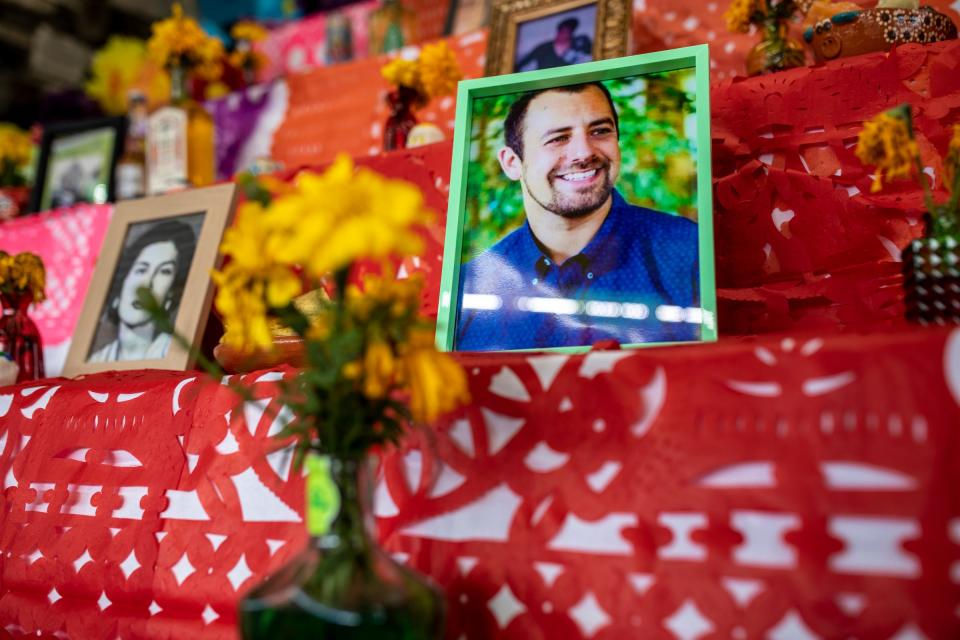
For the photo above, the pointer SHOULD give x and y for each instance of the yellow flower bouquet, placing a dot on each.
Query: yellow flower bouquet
(22, 282)
(244, 56)
(434, 73)
(888, 143)
(370, 369)
(370, 361)
(931, 264)
(179, 42)
(22, 274)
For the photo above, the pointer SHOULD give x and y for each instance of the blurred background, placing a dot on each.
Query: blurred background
(657, 145)
(46, 47)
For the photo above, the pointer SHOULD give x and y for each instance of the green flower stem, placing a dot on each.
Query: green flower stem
(347, 547)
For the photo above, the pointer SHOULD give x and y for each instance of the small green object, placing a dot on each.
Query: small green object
(323, 497)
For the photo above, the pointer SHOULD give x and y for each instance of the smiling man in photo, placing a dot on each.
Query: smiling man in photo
(586, 265)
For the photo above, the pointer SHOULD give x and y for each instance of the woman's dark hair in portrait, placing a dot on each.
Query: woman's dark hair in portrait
(183, 238)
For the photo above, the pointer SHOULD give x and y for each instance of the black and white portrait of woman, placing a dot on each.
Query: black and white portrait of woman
(157, 256)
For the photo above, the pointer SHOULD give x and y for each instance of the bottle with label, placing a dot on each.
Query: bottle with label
(131, 167)
(180, 151)
(392, 27)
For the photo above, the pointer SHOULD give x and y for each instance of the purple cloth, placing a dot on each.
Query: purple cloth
(235, 117)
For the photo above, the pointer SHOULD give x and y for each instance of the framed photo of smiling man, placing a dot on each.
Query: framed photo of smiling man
(168, 245)
(580, 208)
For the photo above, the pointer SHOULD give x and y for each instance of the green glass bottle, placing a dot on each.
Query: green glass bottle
(343, 586)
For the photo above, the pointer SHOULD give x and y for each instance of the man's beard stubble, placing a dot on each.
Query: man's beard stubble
(580, 205)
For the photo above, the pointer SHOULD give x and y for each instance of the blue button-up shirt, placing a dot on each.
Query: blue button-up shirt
(636, 281)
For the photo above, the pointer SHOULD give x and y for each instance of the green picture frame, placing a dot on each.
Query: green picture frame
(653, 65)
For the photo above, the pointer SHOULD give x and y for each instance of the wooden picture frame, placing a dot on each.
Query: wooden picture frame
(509, 19)
(77, 163)
(498, 274)
(145, 245)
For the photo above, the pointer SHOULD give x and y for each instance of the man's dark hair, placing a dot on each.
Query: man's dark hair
(569, 23)
(513, 125)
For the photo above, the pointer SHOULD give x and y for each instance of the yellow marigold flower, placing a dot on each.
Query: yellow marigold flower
(114, 70)
(247, 59)
(401, 72)
(397, 298)
(887, 143)
(251, 283)
(379, 369)
(215, 90)
(283, 285)
(35, 280)
(952, 163)
(436, 381)
(331, 219)
(323, 223)
(15, 146)
(740, 14)
(352, 370)
(181, 40)
(439, 70)
(240, 300)
(23, 273)
(248, 30)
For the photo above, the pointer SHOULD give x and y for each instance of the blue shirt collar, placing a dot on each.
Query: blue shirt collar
(600, 255)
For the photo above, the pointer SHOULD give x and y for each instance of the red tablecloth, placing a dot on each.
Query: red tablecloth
(788, 487)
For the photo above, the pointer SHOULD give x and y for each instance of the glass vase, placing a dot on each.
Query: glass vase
(343, 586)
(402, 102)
(19, 336)
(931, 274)
(776, 50)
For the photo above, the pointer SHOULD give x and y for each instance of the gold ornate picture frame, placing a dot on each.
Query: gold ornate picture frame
(610, 38)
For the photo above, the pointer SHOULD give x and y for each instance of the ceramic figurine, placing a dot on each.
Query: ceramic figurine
(837, 30)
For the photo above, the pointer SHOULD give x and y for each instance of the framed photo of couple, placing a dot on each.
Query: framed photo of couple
(167, 244)
(580, 208)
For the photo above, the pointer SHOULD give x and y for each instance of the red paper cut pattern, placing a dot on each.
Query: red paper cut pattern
(771, 487)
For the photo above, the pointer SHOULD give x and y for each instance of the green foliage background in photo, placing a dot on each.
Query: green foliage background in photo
(657, 145)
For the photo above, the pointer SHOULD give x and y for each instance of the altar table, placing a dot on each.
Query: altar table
(796, 480)
(796, 486)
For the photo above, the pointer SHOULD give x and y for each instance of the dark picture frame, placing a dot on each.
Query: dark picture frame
(78, 163)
